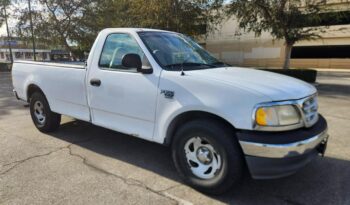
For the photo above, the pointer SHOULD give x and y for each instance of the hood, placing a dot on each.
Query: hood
(274, 86)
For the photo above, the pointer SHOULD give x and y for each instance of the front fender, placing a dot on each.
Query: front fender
(165, 120)
(195, 94)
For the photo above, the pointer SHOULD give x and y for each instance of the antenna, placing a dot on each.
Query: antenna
(182, 65)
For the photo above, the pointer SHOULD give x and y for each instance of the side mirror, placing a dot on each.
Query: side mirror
(133, 60)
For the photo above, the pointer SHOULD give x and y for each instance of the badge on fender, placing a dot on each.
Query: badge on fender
(167, 93)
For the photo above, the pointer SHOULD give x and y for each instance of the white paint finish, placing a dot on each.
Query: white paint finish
(195, 92)
(64, 87)
(126, 100)
(131, 102)
(274, 86)
(49, 64)
(230, 93)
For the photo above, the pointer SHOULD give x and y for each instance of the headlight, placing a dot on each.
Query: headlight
(279, 115)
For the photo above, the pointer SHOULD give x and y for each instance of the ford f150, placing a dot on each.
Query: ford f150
(161, 86)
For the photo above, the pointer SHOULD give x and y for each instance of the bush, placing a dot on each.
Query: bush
(307, 75)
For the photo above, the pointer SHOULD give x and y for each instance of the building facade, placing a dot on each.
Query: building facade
(232, 45)
(24, 54)
(22, 50)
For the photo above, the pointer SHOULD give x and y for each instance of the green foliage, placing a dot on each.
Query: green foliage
(3, 5)
(191, 17)
(284, 19)
(56, 22)
(74, 24)
(290, 20)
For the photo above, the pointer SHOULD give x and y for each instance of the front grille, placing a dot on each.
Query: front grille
(310, 108)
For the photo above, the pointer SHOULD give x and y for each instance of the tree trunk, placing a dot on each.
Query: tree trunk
(288, 53)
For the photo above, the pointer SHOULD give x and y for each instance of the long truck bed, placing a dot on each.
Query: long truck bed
(53, 78)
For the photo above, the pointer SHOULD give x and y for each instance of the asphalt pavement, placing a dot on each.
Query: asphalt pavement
(85, 164)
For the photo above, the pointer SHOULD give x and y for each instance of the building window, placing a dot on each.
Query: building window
(2, 55)
(18, 55)
(28, 55)
(335, 18)
(319, 52)
(327, 19)
(44, 55)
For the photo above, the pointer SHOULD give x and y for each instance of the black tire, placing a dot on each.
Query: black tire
(222, 139)
(51, 120)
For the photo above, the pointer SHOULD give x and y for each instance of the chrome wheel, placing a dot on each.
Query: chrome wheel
(203, 159)
(39, 112)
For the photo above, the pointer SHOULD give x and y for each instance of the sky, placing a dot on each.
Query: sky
(12, 21)
(3, 30)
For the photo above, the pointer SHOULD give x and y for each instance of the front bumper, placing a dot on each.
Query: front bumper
(278, 154)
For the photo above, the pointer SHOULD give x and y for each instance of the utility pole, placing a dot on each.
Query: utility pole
(32, 29)
(8, 35)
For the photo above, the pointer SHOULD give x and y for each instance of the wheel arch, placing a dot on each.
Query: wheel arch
(31, 89)
(189, 116)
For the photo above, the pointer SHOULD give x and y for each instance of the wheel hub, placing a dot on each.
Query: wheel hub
(204, 155)
(39, 112)
(203, 160)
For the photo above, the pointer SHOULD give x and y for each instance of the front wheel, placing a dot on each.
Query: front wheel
(44, 119)
(207, 156)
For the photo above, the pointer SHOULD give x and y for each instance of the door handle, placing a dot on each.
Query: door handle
(95, 82)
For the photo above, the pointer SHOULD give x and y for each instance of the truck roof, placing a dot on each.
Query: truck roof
(133, 30)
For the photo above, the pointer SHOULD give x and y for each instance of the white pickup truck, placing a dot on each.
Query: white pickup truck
(161, 86)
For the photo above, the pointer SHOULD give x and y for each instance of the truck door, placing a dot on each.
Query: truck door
(121, 98)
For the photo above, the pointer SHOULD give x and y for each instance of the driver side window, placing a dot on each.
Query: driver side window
(116, 47)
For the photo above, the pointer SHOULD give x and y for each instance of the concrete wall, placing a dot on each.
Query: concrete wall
(235, 46)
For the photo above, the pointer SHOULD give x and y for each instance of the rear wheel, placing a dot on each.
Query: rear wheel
(207, 156)
(44, 119)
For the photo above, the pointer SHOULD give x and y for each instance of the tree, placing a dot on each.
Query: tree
(3, 19)
(290, 20)
(56, 22)
(98, 15)
(3, 4)
(75, 23)
(192, 17)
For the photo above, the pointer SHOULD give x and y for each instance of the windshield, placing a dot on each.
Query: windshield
(175, 51)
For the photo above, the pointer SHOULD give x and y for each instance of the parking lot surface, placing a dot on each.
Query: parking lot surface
(85, 164)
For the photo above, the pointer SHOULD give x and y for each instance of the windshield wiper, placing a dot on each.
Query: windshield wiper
(189, 64)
